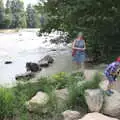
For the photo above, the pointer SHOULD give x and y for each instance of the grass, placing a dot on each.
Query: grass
(12, 101)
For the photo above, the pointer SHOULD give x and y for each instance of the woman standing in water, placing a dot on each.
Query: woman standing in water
(78, 51)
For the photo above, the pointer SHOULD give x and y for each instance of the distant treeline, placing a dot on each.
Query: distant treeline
(13, 15)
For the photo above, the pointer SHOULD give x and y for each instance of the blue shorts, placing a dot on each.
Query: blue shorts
(111, 78)
(79, 57)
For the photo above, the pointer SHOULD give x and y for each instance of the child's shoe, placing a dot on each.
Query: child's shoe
(109, 92)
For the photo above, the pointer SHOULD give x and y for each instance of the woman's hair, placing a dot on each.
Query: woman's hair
(80, 34)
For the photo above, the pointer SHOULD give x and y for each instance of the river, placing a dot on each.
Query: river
(21, 47)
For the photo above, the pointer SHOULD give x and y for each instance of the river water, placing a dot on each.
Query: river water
(21, 47)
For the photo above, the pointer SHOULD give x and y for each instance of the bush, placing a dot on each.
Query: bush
(77, 90)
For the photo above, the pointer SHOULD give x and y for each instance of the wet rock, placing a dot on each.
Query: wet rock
(46, 61)
(44, 41)
(94, 99)
(96, 116)
(33, 67)
(43, 63)
(25, 76)
(53, 50)
(8, 62)
(60, 39)
(38, 103)
(71, 115)
(49, 59)
(111, 105)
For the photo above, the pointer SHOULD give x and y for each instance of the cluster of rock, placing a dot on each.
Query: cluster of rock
(98, 103)
(75, 115)
(32, 68)
(59, 39)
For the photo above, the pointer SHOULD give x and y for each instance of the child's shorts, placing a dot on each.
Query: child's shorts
(110, 78)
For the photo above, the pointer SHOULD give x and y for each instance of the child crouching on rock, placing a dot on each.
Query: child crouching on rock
(111, 72)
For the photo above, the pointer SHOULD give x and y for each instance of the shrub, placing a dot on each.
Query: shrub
(77, 89)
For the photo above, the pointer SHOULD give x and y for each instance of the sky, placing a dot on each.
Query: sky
(26, 2)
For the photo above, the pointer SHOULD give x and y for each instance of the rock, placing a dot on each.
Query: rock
(38, 103)
(96, 116)
(49, 59)
(103, 84)
(71, 115)
(89, 74)
(111, 105)
(33, 67)
(94, 99)
(62, 94)
(25, 76)
(53, 50)
(60, 39)
(44, 62)
(8, 62)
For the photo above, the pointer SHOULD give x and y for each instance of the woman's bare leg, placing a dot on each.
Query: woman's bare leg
(82, 66)
(74, 66)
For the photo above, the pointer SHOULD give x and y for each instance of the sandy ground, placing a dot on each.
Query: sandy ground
(8, 30)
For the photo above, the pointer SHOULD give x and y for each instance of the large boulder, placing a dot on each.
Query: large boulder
(96, 116)
(111, 105)
(33, 67)
(38, 103)
(62, 97)
(44, 62)
(25, 76)
(71, 115)
(94, 99)
(62, 94)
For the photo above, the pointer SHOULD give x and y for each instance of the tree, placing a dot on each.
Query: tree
(8, 14)
(18, 14)
(31, 17)
(7, 6)
(99, 20)
(2, 13)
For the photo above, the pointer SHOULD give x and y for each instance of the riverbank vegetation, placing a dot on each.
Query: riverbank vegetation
(12, 100)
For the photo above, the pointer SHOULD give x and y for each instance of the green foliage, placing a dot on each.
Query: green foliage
(14, 15)
(2, 13)
(6, 103)
(31, 17)
(18, 15)
(99, 20)
(77, 90)
(12, 101)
